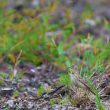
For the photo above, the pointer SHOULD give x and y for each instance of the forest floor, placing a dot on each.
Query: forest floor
(34, 72)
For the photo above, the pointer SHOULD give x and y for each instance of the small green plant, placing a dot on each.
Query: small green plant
(15, 94)
(40, 90)
(104, 54)
(6, 107)
(87, 13)
(3, 75)
(65, 100)
(53, 101)
(89, 58)
(99, 104)
(65, 79)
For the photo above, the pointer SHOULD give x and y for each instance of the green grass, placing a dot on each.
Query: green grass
(28, 34)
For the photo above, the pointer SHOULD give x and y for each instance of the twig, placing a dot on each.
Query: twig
(88, 88)
(16, 63)
(46, 95)
(55, 90)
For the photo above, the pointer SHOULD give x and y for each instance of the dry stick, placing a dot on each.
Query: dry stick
(105, 95)
(99, 76)
(88, 88)
(83, 83)
(102, 90)
(50, 93)
(55, 90)
(16, 63)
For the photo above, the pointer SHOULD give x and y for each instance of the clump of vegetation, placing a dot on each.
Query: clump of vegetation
(45, 37)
